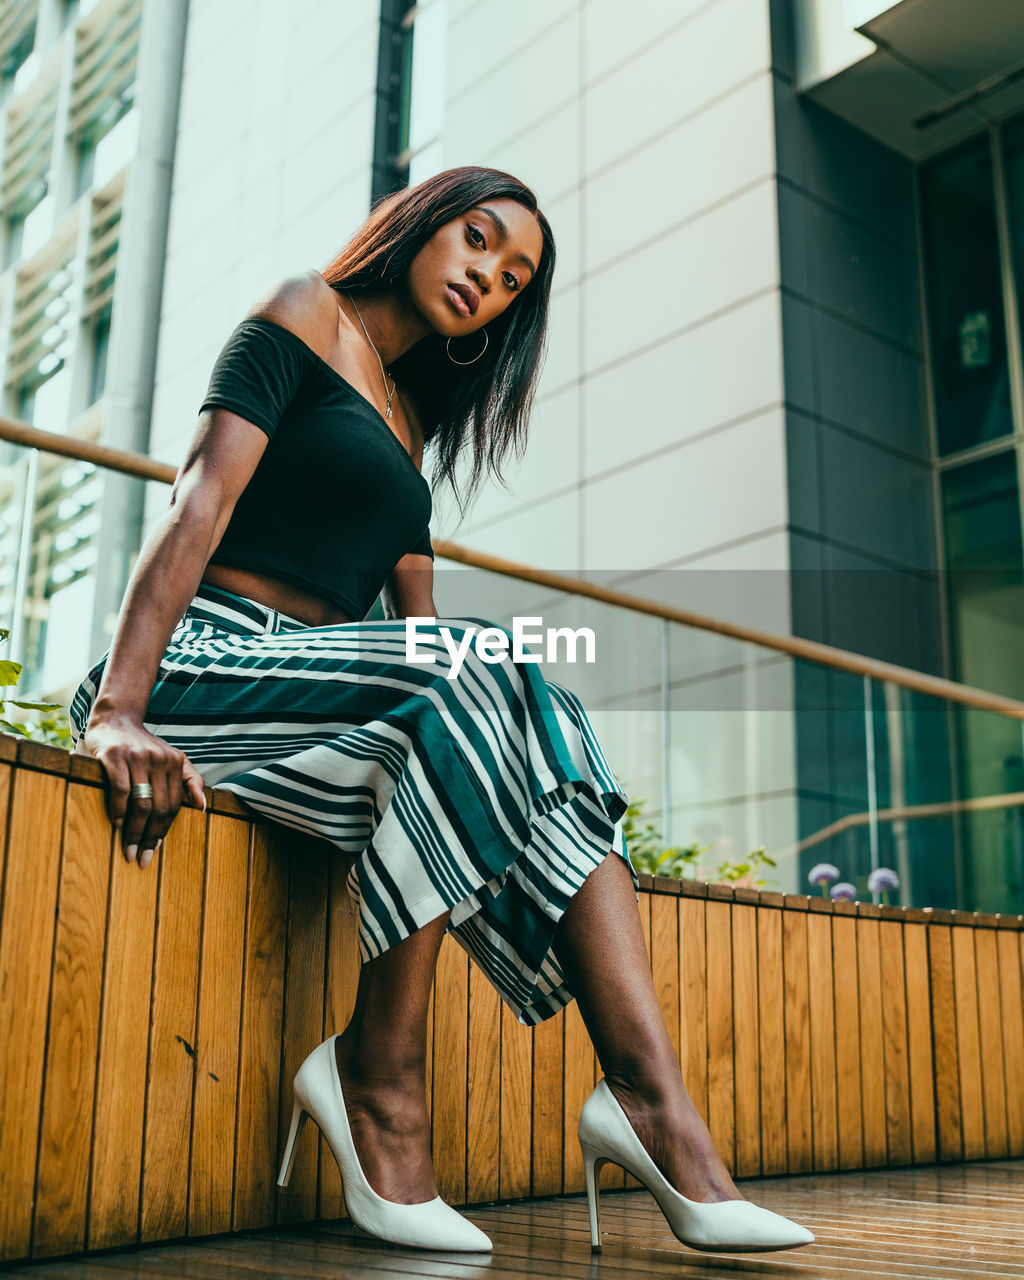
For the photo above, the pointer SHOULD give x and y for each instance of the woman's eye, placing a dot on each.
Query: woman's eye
(481, 240)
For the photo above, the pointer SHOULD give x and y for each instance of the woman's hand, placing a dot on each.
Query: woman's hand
(130, 754)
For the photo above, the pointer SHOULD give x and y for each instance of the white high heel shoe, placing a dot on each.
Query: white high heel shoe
(431, 1224)
(605, 1135)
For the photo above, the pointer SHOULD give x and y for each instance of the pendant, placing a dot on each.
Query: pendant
(389, 411)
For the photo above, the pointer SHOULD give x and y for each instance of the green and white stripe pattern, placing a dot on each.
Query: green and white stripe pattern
(488, 794)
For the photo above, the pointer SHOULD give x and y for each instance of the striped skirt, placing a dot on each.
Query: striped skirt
(487, 794)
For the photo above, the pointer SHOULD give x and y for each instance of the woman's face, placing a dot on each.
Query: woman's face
(489, 254)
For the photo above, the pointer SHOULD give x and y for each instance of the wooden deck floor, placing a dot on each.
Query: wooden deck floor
(945, 1221)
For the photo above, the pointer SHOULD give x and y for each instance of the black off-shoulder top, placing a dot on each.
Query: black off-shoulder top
(335, 500)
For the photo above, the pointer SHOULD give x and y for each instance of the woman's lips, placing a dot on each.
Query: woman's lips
(459, 302)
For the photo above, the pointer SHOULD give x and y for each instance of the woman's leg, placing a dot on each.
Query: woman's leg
(600, 946)
(381, 1058)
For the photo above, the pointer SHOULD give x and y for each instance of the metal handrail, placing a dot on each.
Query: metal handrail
(146, 468)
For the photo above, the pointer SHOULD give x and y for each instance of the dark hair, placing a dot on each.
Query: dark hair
(490, 399)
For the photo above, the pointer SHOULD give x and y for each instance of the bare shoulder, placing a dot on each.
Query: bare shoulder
(304, 303)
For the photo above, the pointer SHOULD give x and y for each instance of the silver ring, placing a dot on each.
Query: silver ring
(143, 790)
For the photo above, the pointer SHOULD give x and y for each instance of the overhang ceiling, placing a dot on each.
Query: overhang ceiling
(933, 73)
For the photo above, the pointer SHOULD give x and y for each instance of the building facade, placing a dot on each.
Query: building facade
(782, 387)
(89, 111)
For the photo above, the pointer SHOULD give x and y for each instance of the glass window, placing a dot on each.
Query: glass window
(965, 298)
(981, 504)
(18, 50)
(982, 522)
(100, 344)
(1013, 162)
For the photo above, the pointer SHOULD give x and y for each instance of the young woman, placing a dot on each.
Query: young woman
(481, 805)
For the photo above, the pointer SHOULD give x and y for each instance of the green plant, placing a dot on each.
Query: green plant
(741, 870)
(650, 857)
(49, 728)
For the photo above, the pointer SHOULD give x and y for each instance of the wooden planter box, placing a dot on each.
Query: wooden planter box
(152, 1022)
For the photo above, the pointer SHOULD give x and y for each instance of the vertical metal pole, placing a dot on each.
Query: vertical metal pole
(898, 786)
(869, 742)
(28, 516)
(666, 737)
(1011, 311)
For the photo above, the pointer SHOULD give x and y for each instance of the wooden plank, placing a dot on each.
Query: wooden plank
(866, 1238)
(451, 1036)
(665, 961)
(990, 1028)
(116, 1181)
(798, 1069)
(894, 1038)
(305, 967)
(944, 1042)
(771, 1041)
(516, 1097)
(6, 783)
(919, 1043)
(1010, 949)
(548, 1107)
(746, 1036)
(693, 1009)
(74, 1022)
(968, 1042)
(259, 1074)
(27, 929)
(578, 1085)
(872, 1045)
(170, 1082)
(42, 756)
(214, 1104)
(847, 1014)
(644, 911)
(721, 1096)
(483, 1136)
(343, 968)
(821, 1006)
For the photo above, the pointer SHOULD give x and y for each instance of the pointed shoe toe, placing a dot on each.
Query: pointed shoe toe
(736, 1225)
(605, 1134)
(431, 1224)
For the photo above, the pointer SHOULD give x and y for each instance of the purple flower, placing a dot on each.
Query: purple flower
(883, 878)
(843, 893)
(823, 873)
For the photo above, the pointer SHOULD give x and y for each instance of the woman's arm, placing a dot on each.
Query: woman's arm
(250, 386)
(163, 582)
(409, 589)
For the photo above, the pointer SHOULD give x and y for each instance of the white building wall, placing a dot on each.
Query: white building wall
(272, 176)
(647, 133)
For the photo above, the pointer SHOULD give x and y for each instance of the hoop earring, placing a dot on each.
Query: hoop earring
(448, 348)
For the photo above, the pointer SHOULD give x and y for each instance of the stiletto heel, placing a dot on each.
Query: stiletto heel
(605, 1135)
(593, 1163)
(430, 1224)
(298, 1121)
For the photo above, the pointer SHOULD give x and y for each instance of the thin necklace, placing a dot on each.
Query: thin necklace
(380, 362)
